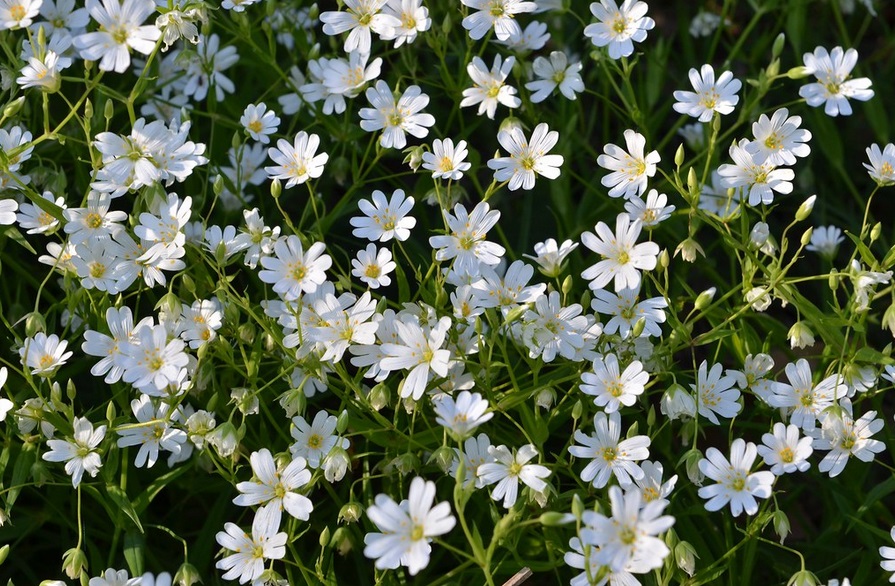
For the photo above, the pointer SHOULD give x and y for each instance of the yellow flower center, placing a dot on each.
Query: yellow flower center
(255, 126)
(315, 441)
(786, 455)
(373, 271)
(97, 270)
(620, 24)
(17, 12)
(609, 454)
(93, 220)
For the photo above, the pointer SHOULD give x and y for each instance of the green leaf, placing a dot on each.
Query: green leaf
(17, 236)
(144, 498)
(134, 545)
(119, 497)
(21, 471)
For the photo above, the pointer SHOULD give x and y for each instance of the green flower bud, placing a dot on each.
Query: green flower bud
(13, 107)
(679, 155)
(276, 188)
(803, 578)
(705, 298)
(777, 47)
(34, 323)
(805, 209)
(555, 519)
(806, 236)
(875, 231)
(324, 537)
(443, 457)
(379, 396)
(4, 551)
(798, 72)
(781, 525)
(685, 557)
(351, 513)
(74, 561)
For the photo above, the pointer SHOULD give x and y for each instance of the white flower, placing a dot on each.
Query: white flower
(474, 454)
(527, 158)
(610, 389)
(626, 310)
(608, 455)
(259, 122)
(313, 442)
(150, 360)
(41, 73)
(533, 38)
(274, 488)
(805, 399)
(44, 354)
(882, 164)
(250, 551)
(784, 451)
(385, 219)
(549, 328)
(508, 469)
(418, 351)
(152, 432)
(624, 258)
(844, 437)
(490, 86)
(651, 485)
(704, 24)
(8, 209)
(413, 16)
(553, 73)
(79, 455)
(627, 540)
(37, 221)
(650, 212)
(200, 322)
(778, 139)
(716, 394)
(735, 484)
(447, 161)
(466, 243)
(297, 162)
(407, 528)
(711, 95)
(888, 555)
(361, 17)
(762, 180)
(95, 222)
(833, 87)
(462, 415)
(497, 14)
(825, 241)
(121, 29)
(630, 169)
(18, 13)
(550, 256)
(619, 26)
(395, 118)
(293, 271)
(372, 266)
(113, 577)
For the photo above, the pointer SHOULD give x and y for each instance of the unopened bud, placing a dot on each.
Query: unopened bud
(324, 537)
(679, 155)
(351, 513)
(691, 460)
(806, 236)
(798, 72)
(545, 398)
(577, 410)
(800, 335)
(577, 506)
(218, 186)
(639, 326)
(555, 519)
(663, 260)
(759, 234)
(379, 396)
(781, 525)
(705, 298)
(276, 188)
(34, 323)
(74, 562)
(803, 578)
(88, 109)
(805, 209)
(685, 557)
(414, 157)
(443, 457)
(13, 107)
(875, 231)
(777, 47)
(109, 110)
(4, 553)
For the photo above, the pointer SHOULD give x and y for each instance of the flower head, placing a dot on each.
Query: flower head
(527, 158)
(630, 169)
(80, 454)
(735, 484)
(618, 27)
(710, 95)
(407, 528)
(297, 162)
(624, 258)
(834, 87)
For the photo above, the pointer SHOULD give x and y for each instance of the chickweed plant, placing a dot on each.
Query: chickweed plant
(446, 292)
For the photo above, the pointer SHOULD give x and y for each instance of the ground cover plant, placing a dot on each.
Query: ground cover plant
(446, 292)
